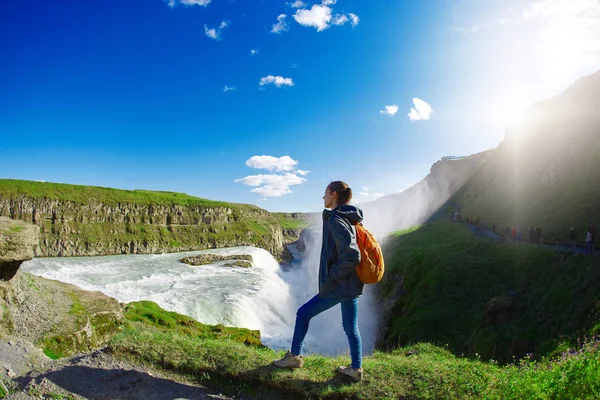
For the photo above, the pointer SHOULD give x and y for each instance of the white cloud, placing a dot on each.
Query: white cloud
(228, 88)
(173, 3)
(579, 12)
(272, 191)
(270, 163)
(287, 179)
(420, 111)
(389, 110)
(273, 185)
(366, 196)
(281, 25)
(318, 17)
(339, 19)
(215, 33)
(298, 4)
(278, 81)
(253, 52)
(211, 33)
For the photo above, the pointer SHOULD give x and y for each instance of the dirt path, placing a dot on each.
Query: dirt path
(97, 376)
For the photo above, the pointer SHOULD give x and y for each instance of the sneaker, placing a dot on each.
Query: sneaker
(356, 374)
(289, 361)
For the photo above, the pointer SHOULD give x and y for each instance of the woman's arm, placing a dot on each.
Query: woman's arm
(348, 252)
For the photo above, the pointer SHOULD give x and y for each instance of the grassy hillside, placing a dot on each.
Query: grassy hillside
(484, 298)
(86, 194)
(546, 170)
(421, 371)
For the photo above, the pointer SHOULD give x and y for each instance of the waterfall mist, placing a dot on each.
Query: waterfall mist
(416, 204)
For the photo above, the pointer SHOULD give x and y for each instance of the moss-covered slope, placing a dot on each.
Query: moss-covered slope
(485, 298)
(58, 317)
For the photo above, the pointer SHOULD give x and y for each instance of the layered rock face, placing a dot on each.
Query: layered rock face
(72, 229)
(17, 242)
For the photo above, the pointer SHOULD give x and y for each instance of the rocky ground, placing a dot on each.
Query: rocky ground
(65, 320)
(28, 374)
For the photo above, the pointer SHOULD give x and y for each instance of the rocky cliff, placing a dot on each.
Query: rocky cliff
(101, 225)
(416, 204)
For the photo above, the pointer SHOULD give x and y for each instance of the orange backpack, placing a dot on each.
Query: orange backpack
(371, 266)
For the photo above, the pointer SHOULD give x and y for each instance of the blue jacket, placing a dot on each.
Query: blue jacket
(340, 254)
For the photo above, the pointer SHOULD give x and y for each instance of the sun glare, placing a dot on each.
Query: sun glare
(563, 46)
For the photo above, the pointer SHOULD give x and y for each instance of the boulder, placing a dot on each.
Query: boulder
(18, 240)
(203, 259)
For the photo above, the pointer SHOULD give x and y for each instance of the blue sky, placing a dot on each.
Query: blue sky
(139, 94)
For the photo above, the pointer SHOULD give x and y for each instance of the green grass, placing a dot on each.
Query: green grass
(50, 353)
(431, 373)
(421, 371)
(484, 298)
(406, 231)
(16, 228)
(288, 222)
(152, 314)
(89, 194)
(574, 376)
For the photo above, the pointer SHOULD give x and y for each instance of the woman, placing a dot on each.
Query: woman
(338, 282)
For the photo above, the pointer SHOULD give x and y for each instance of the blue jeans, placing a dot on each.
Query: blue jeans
(316, 306)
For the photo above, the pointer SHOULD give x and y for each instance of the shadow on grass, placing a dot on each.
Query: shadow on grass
(297, 388)
(98, 383)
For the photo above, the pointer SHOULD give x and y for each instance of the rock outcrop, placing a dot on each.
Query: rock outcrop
(17, 243)
(239, 260)
(60, 318)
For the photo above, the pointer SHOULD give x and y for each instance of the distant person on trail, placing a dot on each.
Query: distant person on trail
(530, 234)
(538, 235)
(589, 242)
(592, 229)
(572, 237)
(514, 232)
(519, 234)
(338, 280)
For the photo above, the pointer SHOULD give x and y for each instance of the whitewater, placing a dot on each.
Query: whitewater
(264, 297)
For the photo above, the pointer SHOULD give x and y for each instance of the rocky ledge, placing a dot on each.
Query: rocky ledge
(17, 242)
(238, 260)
